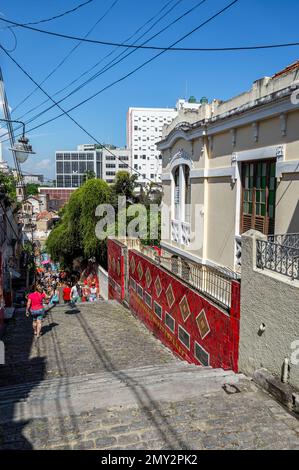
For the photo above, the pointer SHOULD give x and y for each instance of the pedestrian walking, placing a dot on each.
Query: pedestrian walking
(75, 293)
(35, 307)
(54, 300)
(85, 293)
(66, 293)
(93, 292)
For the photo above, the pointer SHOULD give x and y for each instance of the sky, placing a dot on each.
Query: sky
(161, 83)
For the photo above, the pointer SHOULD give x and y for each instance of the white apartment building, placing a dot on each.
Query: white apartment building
(144, 130)
(115, 160)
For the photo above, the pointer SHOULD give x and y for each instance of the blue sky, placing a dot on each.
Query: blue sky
(173, 75)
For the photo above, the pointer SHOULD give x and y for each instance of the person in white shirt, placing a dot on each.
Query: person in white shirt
(75, 295)
(93, 295)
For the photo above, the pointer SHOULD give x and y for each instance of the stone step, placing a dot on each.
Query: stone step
(55, 381)
(122, 379)
(142, 374)
(108, 390)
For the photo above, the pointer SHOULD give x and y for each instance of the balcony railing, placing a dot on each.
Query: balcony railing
(213, 283)
(288, 239)
(180, 232)
(280, 253)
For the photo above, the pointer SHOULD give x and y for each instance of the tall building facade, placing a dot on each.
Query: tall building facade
(144, 130)
(72, 166)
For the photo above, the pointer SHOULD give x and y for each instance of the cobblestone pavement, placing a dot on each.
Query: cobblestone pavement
(103, 338)
(91, 338)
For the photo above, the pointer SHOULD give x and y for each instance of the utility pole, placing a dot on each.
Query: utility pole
(6, 112)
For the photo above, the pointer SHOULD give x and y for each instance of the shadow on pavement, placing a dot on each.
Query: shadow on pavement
(73, 311)
(20, 370)
(49, 327)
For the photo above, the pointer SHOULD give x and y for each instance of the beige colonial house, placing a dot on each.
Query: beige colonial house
(229, 166)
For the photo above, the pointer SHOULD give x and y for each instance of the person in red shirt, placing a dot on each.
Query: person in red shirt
(36, 308)
(66, 293)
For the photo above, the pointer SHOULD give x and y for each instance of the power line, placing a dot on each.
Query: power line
(68, 54)
(107, 55)
(178, 49)
(114, 62)
(6, 112)
(134, 70)
(66, 113)
(15, 39)
(57, 16)
(119, 80)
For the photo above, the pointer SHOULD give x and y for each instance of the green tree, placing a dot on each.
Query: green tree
(8, 187)
(74, 235)
(88, 175)
(32, 189)
(124, 185)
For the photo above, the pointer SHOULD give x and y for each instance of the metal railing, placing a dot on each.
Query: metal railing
(213, 283)
(282, 258)
(288, 239)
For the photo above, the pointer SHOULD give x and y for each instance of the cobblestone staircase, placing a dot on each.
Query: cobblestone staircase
(98, 379)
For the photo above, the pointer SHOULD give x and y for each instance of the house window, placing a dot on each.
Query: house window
(258, 196)
(182, 193)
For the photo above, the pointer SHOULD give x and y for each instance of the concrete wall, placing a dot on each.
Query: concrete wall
(103, 282)
(272, 299)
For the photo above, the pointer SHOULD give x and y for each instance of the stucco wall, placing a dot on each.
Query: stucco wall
(220, 214)
(287, 204)
(272, 299)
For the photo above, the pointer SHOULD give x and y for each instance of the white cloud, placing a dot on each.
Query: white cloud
(43, 164)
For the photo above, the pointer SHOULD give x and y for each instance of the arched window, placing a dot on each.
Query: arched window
(181, 193)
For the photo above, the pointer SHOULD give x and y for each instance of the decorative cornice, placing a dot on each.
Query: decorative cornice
(286, 167)
(214, 172)
(273, 151)
(181, 157)
(237, 118)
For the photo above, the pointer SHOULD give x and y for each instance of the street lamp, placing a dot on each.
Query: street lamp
(22, 149)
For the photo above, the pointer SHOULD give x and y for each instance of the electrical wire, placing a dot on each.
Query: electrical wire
(161, 48)
(15, 39)
(107, 55)
(117, 81)
(178, 49)
(134, 70)
(70, 117)
(114, 62)
(57, 16)
(68, 54)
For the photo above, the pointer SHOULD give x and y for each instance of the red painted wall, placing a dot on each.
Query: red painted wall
(116, 279)
(213, 333)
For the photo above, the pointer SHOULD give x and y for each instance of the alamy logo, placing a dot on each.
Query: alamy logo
(2, 353)
(295, 94)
